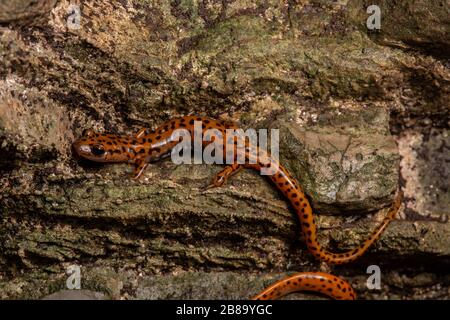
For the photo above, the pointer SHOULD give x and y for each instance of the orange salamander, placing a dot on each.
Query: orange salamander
(148, 146)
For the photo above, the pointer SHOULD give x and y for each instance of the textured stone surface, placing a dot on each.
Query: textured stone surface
(336, 92)
(419, 24)
(75, 295)
(347, 160)
(25, 11)
(426, 170)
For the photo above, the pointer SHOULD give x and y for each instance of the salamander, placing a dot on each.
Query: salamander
(148, 146)
(324, 283)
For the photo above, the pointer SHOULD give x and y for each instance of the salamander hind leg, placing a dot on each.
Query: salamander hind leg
(222, 176)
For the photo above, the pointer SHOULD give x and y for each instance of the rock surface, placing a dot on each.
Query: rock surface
(417, 24)
(347, 160)
(75, 295)
(351, 106)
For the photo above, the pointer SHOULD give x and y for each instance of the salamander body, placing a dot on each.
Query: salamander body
(148, 146)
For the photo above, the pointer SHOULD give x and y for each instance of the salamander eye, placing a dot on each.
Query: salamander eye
(88, 133)
(98, 150)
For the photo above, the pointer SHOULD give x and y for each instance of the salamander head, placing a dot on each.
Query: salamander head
(100, 147)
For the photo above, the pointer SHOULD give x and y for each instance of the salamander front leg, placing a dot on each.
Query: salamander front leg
(222, 176)
(140, 166)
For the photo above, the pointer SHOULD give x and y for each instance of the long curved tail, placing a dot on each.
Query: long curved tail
(291, 189)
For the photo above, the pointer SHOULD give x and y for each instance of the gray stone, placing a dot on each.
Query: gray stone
(75, 295)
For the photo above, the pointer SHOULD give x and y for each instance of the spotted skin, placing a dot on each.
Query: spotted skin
(324, 283)
(152, 145)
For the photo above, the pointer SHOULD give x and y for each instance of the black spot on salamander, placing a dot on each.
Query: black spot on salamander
(157, 137)
(166, 128)
(191, 122)
(142, 150)
(109, 143)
